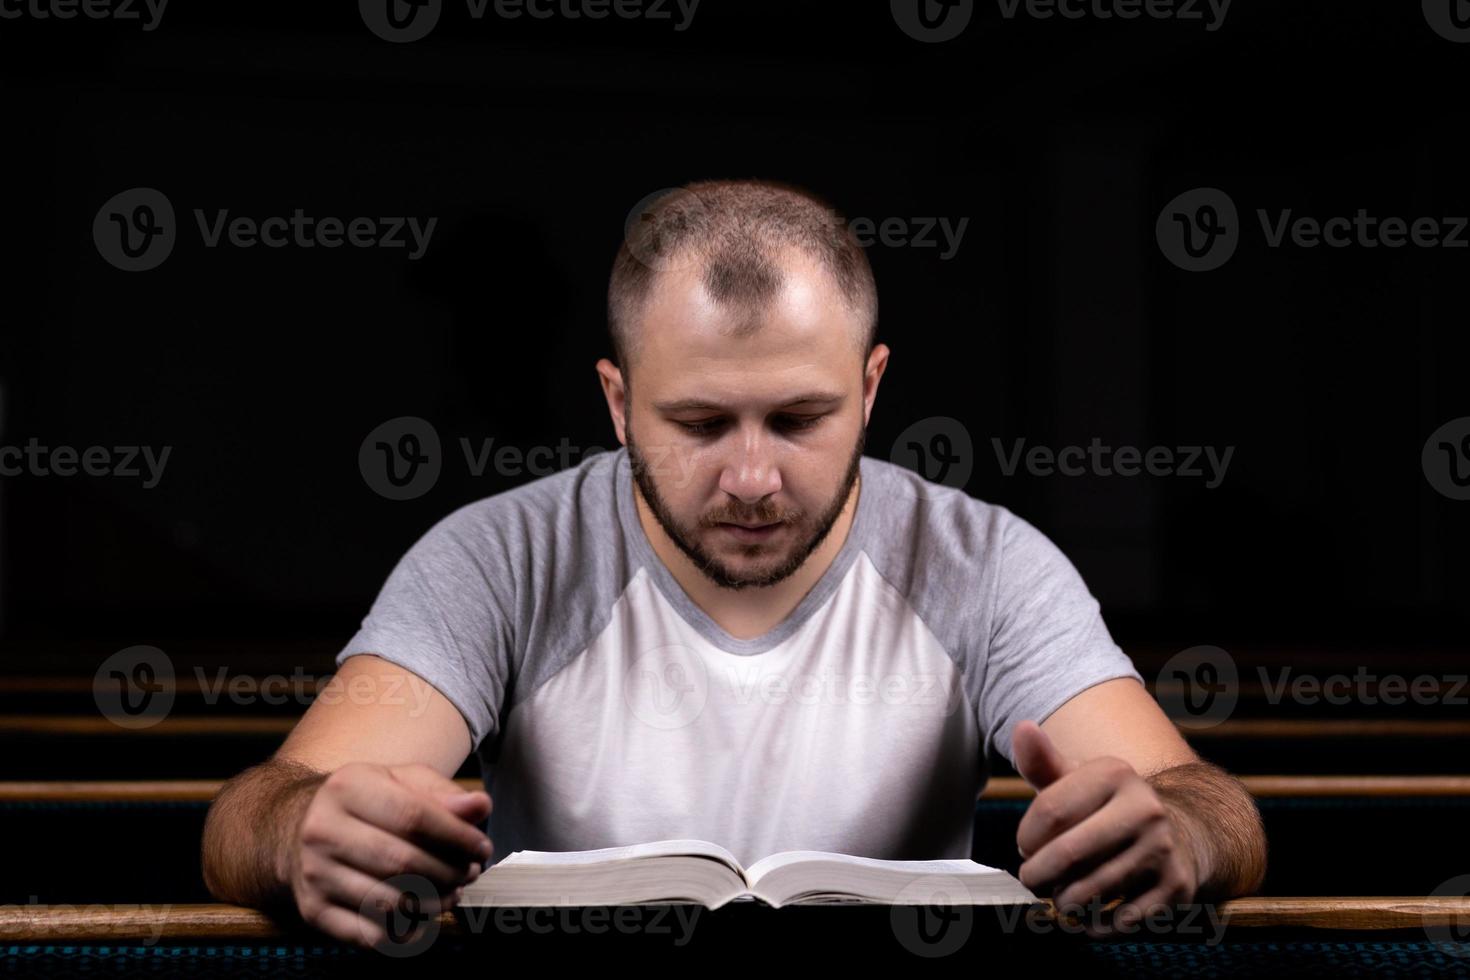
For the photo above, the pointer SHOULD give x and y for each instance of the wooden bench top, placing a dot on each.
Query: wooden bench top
(164, 923)
(998, 788)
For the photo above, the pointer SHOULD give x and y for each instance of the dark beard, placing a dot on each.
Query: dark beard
(712, 567)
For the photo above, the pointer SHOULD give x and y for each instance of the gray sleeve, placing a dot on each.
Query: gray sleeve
(1048, 640)
(442, 615)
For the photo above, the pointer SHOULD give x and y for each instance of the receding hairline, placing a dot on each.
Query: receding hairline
(740, 236)
(749, 317)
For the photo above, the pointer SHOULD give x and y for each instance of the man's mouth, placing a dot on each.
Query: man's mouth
(750, 532)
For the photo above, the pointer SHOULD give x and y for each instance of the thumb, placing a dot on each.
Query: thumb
(1038, 761)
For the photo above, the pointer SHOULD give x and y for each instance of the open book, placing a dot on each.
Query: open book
(697, 871)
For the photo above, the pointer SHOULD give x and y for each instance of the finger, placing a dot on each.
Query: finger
(1126, 875)
(1157, 901)
(1068, 802)
(348, 926)
(1038, 761)
(404, 913)
(472, 805)
(1079, 849)
(373, 897)
(380, 854)
(417, 818)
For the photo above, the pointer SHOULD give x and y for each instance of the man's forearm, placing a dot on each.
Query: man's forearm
(248, 831)
(1219, 820)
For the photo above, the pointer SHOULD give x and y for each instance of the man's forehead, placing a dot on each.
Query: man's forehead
(683, 320)
(708, 398)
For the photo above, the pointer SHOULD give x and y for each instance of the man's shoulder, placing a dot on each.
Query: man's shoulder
(579, 494)
(935, 543)
(915, 515)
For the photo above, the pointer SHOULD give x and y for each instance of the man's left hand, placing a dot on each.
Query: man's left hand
(1098, 832)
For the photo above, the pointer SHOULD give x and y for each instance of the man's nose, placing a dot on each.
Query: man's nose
(751, 473)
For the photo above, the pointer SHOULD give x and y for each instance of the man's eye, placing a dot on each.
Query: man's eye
(786, 423)
(798, 423)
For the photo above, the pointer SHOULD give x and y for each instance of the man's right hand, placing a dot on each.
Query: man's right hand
(366, 824)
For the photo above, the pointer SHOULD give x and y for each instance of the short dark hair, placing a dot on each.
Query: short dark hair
(735, 230)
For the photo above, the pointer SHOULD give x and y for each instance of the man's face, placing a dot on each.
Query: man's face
(737, 432)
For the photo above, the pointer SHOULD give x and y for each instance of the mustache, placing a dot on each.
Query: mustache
(766, 515)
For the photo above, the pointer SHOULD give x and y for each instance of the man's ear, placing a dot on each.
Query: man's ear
(872, 374)
(616, 394)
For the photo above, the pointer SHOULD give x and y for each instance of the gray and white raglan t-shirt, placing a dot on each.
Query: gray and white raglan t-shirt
(608, 709)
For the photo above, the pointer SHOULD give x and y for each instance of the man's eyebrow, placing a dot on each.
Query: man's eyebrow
(814, 398)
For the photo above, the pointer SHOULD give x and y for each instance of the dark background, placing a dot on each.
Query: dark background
(1326, 549)
(1058, 319)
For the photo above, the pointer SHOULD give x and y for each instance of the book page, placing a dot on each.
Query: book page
(951, 866)
(701, 848)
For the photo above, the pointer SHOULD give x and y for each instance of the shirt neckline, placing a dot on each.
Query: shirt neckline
(712, 631)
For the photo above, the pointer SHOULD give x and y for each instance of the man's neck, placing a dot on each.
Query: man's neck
(752, 611)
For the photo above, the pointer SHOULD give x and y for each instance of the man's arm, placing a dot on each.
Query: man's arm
(1125, 808)
(1217, 816)
(360, 792)
(246, 833)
